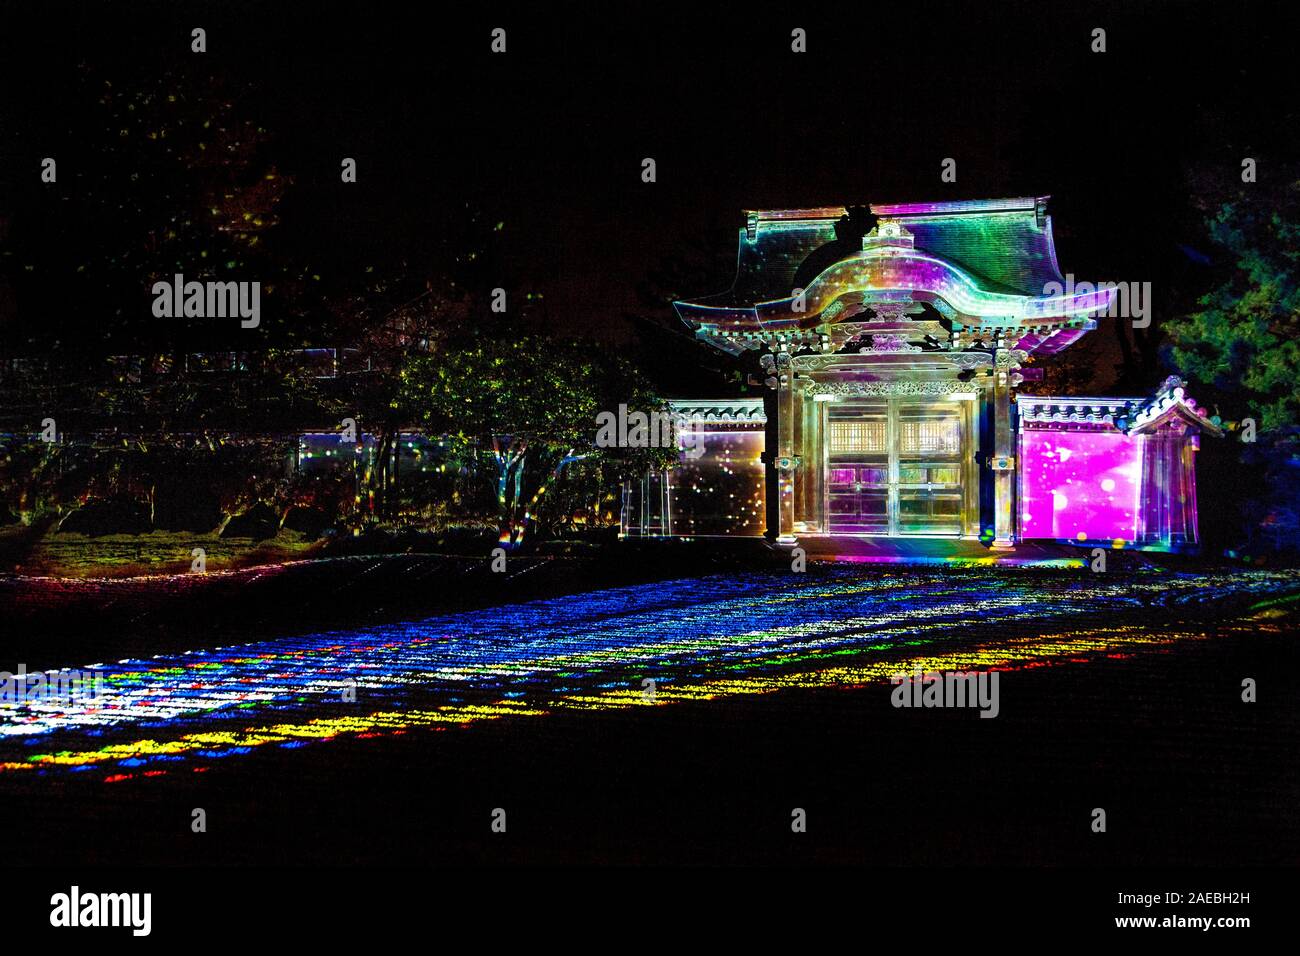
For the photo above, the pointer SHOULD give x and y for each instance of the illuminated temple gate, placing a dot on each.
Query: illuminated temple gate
(892, 344)
(901, 466)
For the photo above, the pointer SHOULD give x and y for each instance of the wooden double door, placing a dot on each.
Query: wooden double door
(898, 467)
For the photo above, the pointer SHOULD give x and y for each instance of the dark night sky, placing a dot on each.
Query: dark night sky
(550, 136)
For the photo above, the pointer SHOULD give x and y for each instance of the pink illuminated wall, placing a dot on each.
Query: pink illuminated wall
(1079, 485)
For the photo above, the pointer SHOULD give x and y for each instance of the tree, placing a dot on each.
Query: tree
(388, 313)
(1243, 341)
(164, 173)
(1244, 338)
(527, 407)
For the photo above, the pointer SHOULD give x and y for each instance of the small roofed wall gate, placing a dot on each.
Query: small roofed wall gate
(1112, 471)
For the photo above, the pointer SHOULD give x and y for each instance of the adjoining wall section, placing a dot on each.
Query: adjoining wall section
(717, 487)
(1080, 485)
(1115, 471)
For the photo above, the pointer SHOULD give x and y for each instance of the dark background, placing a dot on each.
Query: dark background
(1136, 146)
(549, 137)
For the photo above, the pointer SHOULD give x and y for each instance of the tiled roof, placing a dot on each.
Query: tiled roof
(1129, 415)
(723, 410)
(1004, 244)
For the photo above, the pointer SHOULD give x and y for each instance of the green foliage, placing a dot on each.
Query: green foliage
(527, 408)
(488, 389)
(39, 478)
(1244, 338)
(29, 475)
(1241, 345)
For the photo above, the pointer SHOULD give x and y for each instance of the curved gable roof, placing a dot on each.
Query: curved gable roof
(1005, 245)
(1007, 242)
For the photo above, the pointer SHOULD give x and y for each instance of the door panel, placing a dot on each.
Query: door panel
(859, 499)
(857, 480)
(930, 456)
(897, 468)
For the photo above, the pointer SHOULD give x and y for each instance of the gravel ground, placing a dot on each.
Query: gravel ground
(771, 691)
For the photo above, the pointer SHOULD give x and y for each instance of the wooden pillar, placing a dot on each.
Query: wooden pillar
(1159, 494)
(1190, 521)
(812, 469)
(771, 497)
(786, 461)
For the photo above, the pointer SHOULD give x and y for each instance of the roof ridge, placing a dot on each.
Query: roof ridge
(940, 207)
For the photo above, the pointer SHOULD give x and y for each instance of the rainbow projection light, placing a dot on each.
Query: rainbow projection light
(699, 639)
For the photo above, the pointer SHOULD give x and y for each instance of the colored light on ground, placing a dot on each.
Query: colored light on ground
(699, 638)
